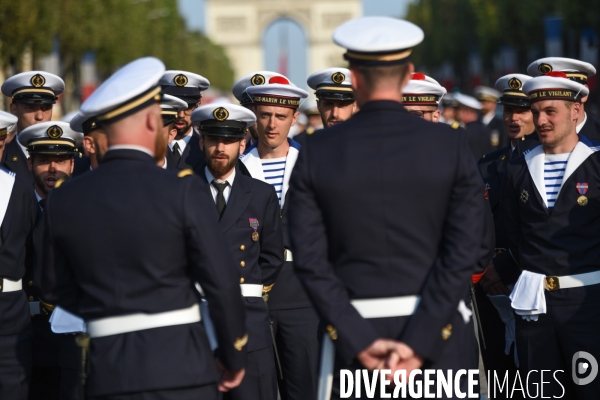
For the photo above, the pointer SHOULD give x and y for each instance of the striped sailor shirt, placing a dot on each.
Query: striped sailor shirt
(554, 170)
(274, 169)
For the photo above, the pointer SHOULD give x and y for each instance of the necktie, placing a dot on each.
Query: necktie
(42, 204)
(220, 197)
(176, 152)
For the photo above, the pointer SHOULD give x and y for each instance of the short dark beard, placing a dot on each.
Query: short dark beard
(39, 182)
(217, 170)
(181, 132)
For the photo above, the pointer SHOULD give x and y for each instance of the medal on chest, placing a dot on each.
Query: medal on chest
(254, 225)
(582, 188)
(524, 196)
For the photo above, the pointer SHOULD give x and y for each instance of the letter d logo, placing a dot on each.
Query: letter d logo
(583, 367)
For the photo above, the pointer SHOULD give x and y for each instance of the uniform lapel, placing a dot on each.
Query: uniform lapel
(239, 198)
(252, 162)
(195, 155)
(535, 163)
(290, 161)
(580, 153)
(497, 171)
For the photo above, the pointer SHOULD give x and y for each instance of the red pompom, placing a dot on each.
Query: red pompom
(417, 76)
(279, 79)
(557, 74)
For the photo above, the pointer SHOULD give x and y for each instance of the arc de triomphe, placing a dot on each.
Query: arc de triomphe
(239, 26)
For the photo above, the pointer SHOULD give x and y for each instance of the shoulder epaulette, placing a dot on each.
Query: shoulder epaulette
(185, 172)
(240, 342)
(59, 182)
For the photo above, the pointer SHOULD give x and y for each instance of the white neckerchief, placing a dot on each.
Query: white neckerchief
(182, 142)
(578, 128)
(7, 181)
(252, 162)
(213, 189)
(131, 147)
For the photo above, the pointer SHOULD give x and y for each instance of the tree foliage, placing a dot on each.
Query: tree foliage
(117, 31)
(456, 28)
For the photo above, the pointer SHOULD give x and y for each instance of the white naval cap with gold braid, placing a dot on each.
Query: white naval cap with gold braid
(51, 137)
(576, 70)
(377, 40)
(128, 90)
(7, 121)
(33, 87)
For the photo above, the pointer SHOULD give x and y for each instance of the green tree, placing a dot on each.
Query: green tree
(117, 31)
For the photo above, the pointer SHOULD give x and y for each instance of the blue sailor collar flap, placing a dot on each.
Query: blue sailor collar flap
(535, 159)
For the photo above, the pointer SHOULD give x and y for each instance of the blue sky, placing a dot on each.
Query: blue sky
(193, 12)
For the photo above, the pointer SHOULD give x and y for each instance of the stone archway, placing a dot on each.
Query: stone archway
(239, 25)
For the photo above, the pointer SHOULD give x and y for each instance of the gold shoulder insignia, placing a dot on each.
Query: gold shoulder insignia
(332, 332)
(240, 342)
(185, 172)
(455, 125)
(447, 332)
(59, 182)
(267, 289)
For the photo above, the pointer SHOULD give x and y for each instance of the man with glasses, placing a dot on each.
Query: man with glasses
(187, 86)
(422, 95)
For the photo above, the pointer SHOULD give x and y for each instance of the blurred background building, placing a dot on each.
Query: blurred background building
(467, 42)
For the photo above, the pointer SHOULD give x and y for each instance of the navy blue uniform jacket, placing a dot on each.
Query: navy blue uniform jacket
(14, 159)
(564, 240)
(258, 262)
(15, 252)
(144, 241)
(493, 167)
(386, 204)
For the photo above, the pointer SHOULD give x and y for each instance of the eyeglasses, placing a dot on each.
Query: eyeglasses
(420, 114)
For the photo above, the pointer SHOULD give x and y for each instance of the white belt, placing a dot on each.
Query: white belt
(367, 308)
(6, 285)
(386, 307)
(552, 283)
(138, 322)
(251, 290)
(288, 255)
